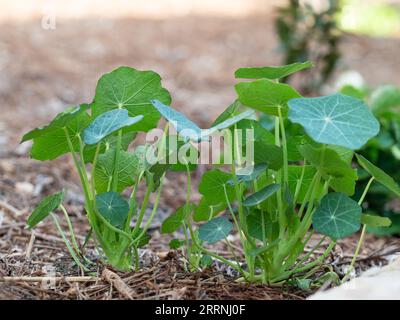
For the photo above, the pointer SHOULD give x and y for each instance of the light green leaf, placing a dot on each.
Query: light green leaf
(205, 211)
(375, 221)
(131, 89)
(336, 119)
(343, 176)
(337, 216)
(176, 243)
(107, 143)
(113, 208)
(260, 134)
(272, 72)
(128, 170)
(108, 123)
(265, 95)
(188, 129)
(379, 174)
(44, 208)
(261, 195)
(215, 230)
(229, 112)
(249, 173)
(175, 220)
(212, 186)
(51, 141)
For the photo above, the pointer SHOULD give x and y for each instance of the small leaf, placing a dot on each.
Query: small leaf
(379, 175)
(337, 216)
(128, 170)
(229, 112)
(249, 173)
(44, 208)
(131, 89)
(205, 261)
(107, 123)
(272, 72)
(176, 243)
(375, 221)
(144, 239)
(113, 208)
(175, 220)
(205, 211)
(51, 141)
(265, 95)
(336, 119)
(212, 186)
(215, 230)
(261, 195)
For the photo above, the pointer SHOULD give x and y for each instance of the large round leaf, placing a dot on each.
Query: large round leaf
(107, 123)
(44, 208)
(337, 216)
(336, 119)
(113, 208)
(132, 90)
(215, 230)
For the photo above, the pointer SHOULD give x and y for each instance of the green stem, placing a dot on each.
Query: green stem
(68, 245)
(71, 229)
(361, 239)
(284, 146)
(116, 162)
(144, 206)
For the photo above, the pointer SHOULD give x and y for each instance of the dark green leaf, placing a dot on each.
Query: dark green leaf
(215, 230)
(175, 220)
(337, 216)
(269, 154)
(205, 211)
(113, 208)
(261, 195)
(212, 187)
(44, 208)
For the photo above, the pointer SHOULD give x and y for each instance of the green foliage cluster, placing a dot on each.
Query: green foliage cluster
(300, 182)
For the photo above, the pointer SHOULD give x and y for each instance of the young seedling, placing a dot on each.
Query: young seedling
(98, 135)
(300, 181)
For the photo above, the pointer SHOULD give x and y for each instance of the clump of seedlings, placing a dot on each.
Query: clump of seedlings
(298, 181)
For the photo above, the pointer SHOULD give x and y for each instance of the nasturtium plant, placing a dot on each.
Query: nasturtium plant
(98, 136)
(300, 180)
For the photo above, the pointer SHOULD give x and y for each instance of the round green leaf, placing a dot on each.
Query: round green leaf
(44, 208)
(131, 89)
(215, 230)
(107, 123)
(337, 216)
(212, 187)
(272, 72)
(261, 195)
(205, 211)
(265, 95)
(336, 119)
(384, 98)
(113, 208)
